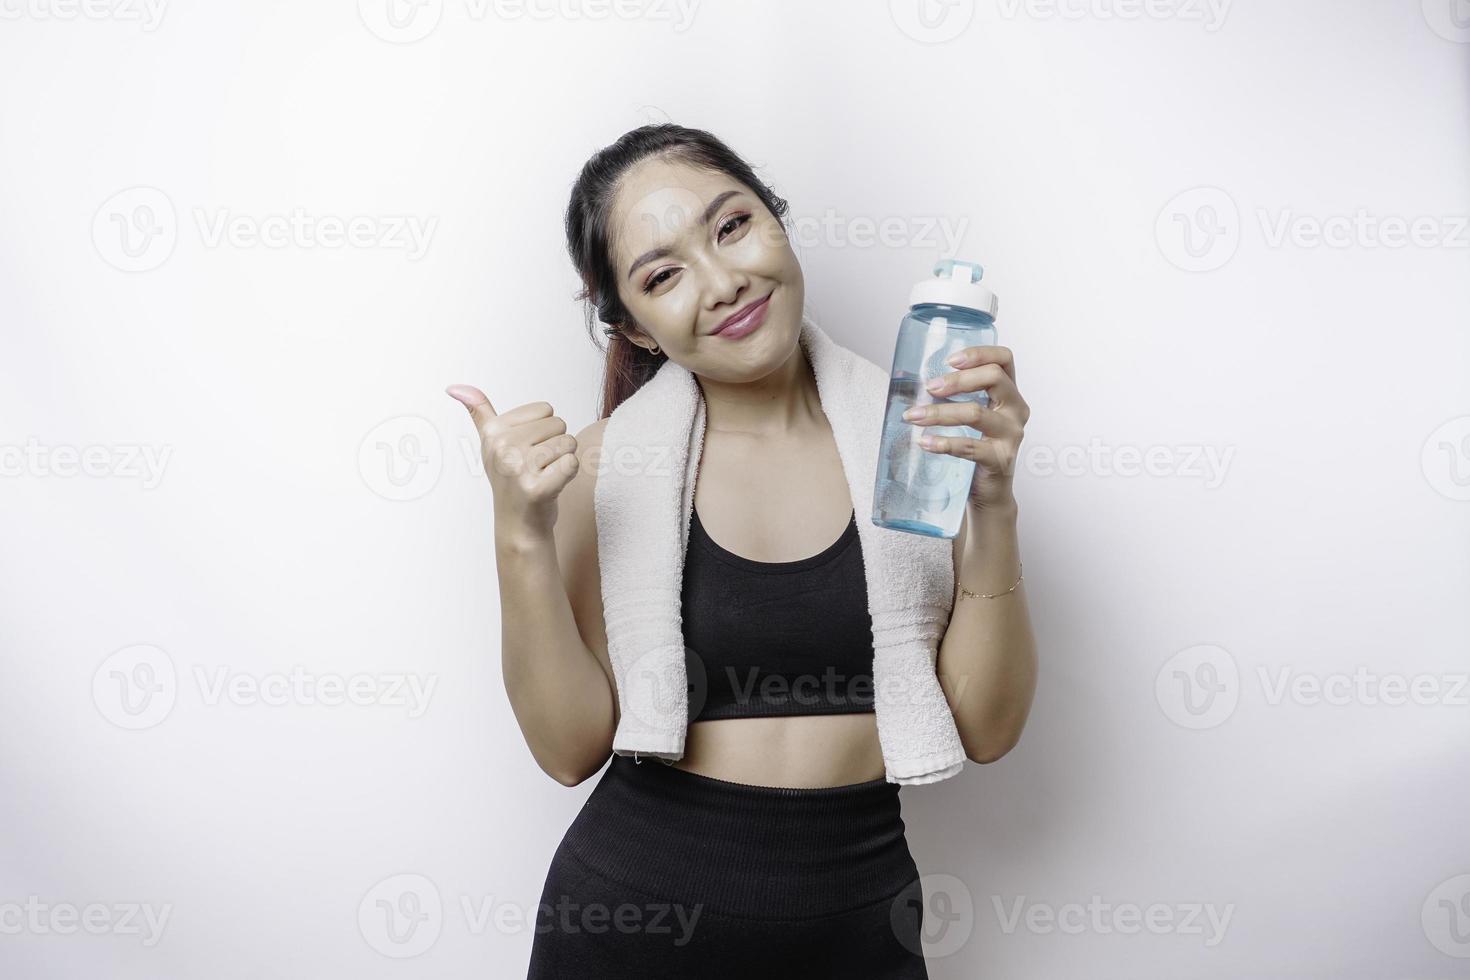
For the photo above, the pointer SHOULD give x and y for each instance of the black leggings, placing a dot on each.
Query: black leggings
(671, 874)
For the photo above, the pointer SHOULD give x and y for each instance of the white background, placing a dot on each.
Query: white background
(319, 506)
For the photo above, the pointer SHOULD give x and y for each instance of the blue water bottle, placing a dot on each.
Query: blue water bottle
(919, 490)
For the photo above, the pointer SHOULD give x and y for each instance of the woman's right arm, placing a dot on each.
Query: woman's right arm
(553, 642)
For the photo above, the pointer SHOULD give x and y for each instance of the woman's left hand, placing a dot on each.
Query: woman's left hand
(993, 370)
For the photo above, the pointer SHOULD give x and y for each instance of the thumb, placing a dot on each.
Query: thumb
(473, 399)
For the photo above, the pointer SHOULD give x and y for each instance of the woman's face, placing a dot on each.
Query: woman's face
(690, 249)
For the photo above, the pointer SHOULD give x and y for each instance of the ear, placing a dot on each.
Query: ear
(635, 335)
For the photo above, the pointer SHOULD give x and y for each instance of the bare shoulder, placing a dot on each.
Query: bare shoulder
(576, 545)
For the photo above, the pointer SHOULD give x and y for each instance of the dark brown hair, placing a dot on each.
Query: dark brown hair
(629, 366)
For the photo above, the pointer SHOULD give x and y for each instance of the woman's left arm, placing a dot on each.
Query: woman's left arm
(987, 657)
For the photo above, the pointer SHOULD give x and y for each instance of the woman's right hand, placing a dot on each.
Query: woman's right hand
(529, 457)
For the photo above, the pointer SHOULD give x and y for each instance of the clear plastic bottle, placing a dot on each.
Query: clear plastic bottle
(919, 490)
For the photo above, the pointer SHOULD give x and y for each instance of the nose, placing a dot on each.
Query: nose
(722, 283)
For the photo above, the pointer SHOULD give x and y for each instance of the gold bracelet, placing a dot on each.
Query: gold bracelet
(967, 594)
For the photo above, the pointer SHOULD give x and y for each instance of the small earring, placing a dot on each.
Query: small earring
(656, 349)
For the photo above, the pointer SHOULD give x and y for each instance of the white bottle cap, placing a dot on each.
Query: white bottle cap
(956, 283)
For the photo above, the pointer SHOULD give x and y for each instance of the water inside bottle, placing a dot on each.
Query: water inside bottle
(930, 487)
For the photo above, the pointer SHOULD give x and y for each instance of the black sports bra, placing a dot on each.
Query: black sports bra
(777, 638)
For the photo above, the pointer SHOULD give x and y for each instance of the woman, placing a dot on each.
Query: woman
(774, 845)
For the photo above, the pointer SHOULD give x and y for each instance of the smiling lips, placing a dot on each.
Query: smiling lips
(745, 321)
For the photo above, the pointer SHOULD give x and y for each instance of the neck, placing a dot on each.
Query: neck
(778, 404)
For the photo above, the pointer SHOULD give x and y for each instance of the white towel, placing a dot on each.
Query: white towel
(643, 503)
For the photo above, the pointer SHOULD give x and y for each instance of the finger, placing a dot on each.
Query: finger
(990, 378)
(544, 455)
(516, 453)
(473, 399)
(559, 468)
(994, 422)
(996, 455)
(990, 422)
(985, 354)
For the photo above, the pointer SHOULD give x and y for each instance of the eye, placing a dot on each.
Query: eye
(658, 279)
(734, 222)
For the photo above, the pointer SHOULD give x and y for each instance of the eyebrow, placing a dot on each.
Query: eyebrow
(662, 250)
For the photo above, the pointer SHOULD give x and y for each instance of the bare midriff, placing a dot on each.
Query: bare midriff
(793, 751)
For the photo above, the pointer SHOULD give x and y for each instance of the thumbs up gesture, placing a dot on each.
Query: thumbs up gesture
(529, 457)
